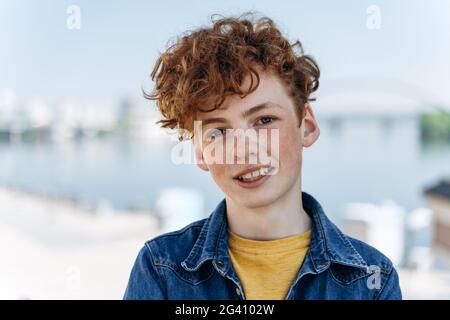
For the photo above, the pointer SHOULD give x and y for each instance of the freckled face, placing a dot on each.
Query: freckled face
(279, 116)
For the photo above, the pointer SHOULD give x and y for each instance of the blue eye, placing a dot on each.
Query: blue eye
(266, 120)
(215, 133)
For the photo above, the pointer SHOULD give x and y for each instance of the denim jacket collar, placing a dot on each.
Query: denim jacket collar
(328, 243)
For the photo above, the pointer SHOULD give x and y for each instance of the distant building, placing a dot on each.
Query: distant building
(380, 225)
(438, 197)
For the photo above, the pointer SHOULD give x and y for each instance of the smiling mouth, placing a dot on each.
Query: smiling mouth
(256, 174)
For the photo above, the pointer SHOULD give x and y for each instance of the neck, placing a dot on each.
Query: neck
(282, 218)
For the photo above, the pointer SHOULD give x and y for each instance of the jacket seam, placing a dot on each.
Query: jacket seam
(346, 283)
(158, 273)
(347, 241)
(385, 266)
(182, 278)
(378, 294)
(218, 239)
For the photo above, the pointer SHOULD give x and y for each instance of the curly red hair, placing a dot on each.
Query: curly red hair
(204, 66)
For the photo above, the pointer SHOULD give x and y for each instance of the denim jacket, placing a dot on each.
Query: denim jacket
(193, 263)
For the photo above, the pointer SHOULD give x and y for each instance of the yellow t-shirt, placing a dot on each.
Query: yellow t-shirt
(267, 268)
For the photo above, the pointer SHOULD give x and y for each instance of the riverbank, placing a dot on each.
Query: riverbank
(57, 249)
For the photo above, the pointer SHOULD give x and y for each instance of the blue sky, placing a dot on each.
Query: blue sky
(113, 52)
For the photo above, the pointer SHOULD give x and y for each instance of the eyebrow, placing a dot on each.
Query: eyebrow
(245, 114)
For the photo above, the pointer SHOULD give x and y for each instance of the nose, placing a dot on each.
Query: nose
(245, 146)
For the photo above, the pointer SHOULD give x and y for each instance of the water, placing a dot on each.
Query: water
(369, 159)
(372, 160)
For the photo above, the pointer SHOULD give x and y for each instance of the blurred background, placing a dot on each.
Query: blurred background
(86, 177)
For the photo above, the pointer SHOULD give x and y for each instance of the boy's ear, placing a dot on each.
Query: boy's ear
(311, 129)
(199, 158)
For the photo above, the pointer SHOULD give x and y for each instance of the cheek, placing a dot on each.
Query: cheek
(218, 173)
(290, 148)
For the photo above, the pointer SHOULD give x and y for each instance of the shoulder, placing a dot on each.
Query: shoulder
(164, 251)
(173, 247)
(375, 259)
(383, 276)
(371, 269)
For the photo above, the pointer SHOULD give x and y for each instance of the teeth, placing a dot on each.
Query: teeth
(249, 175)
(255, 174)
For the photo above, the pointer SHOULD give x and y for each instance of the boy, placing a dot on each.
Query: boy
(266, 239)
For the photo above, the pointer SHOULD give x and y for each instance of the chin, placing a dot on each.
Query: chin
(255, 200)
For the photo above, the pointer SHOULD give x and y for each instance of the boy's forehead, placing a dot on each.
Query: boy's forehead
(268, 93)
